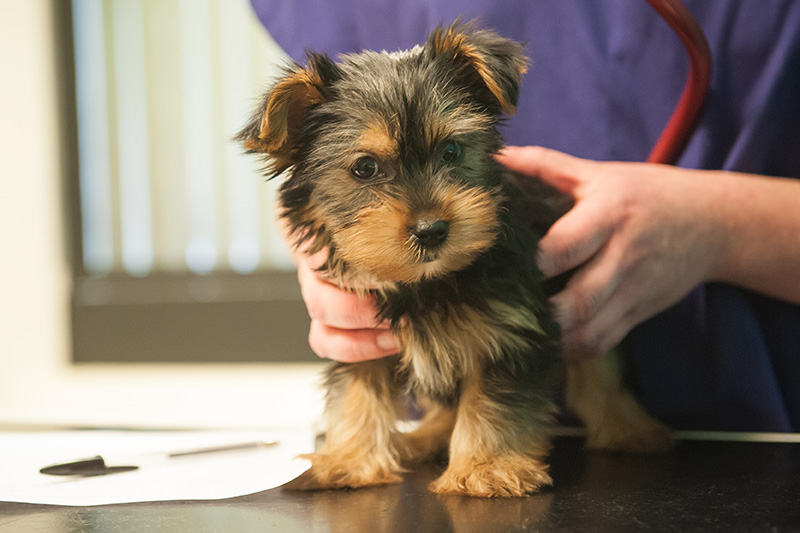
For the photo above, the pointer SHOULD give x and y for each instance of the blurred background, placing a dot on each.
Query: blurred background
(142, 279)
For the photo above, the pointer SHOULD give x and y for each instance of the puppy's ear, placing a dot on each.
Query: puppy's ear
(275, 126)
(494, 63)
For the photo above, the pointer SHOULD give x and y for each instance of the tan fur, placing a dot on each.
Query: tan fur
(376, 139)
(379, 242)
(457, 44)
(453, 123)
(614, 419)
(360, 448)
(290, 95)
(487, 457)
(287, 102)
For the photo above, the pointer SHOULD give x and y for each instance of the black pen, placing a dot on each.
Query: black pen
(96, 466)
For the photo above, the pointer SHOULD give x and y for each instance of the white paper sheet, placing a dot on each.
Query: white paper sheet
(200, 477)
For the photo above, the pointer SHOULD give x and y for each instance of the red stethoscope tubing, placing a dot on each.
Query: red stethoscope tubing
(683, 121)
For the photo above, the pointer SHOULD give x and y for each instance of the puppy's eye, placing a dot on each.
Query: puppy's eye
(452, 152)
(365, 168)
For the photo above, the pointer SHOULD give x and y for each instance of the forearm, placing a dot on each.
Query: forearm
(759, 218)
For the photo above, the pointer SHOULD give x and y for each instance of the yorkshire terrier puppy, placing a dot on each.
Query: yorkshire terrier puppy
(390, 166)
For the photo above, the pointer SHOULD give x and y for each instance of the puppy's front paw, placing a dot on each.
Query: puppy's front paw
(501, 478)
(333, 472)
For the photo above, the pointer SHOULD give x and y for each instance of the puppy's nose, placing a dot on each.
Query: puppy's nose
(430, 233)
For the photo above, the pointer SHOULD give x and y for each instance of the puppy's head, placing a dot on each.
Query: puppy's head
(391, 153)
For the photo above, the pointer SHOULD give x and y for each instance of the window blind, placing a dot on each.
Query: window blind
(161, 88)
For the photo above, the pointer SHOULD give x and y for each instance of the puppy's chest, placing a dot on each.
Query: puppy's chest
(448, 341)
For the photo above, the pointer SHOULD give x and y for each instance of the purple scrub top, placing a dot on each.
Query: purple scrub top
(605, 77)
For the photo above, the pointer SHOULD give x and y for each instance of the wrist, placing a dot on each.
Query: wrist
(759, 220)
(724, 219)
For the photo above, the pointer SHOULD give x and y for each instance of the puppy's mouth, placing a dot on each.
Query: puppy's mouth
(428, 256)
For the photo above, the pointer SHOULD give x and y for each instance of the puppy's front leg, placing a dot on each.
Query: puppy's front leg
(499, 442)
(359, 447)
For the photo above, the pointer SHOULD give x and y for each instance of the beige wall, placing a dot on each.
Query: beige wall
(33, 271)
(37, 383)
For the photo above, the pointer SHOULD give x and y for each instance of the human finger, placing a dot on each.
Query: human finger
(351, 346)
(602, 332)
(316, 260)
(556, 168)
(588, 291)
(333, 306)
(573, 239)
(589, 342)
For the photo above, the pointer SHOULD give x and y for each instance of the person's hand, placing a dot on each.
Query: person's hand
(343, 324)
(637, 236)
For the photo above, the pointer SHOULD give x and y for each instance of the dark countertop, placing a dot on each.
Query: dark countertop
(699, 486)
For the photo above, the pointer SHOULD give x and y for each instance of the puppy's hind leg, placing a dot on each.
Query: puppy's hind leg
(432, 436)
(360, 448)
(614, 420)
